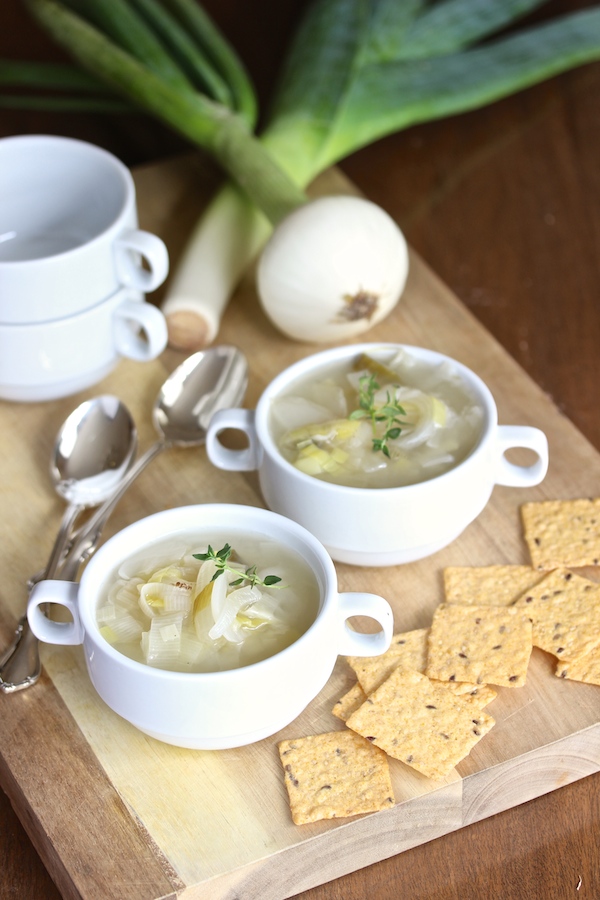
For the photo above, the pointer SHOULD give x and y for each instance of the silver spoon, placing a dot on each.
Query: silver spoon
(94, 448)
(205, 382)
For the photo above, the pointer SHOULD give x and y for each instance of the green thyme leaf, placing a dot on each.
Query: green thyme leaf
(271, 579)
(220, 560)
(388, 414)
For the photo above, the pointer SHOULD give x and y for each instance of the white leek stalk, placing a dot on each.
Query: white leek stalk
(164, 640)
(228, 235)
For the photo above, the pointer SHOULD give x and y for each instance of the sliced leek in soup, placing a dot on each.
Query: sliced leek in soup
(374, 423)
(208, 603)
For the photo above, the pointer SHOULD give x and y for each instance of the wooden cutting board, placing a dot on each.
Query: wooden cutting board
(116, 814)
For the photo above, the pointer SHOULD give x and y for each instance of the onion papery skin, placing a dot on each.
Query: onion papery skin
(332, 269)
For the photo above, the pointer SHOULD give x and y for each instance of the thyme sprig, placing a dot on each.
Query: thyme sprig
(220, 559)
(384, 416)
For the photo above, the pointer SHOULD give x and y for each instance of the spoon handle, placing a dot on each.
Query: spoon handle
(62, 541)
(85, 541)
(20, 665)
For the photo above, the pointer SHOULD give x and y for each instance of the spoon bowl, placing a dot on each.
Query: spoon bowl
(93, 450)
(205, 382)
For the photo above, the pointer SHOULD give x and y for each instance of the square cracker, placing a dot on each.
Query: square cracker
(582, 668)
(479, 695)
(408, 649)
(351, 700)
(480, 644)
(332, 775)
(565, 611)
(420, 723)
(487, 585)
(562, 533)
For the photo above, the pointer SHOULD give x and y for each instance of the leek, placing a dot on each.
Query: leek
(357, 70)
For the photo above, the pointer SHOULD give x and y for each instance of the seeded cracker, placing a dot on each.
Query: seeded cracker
(333, 775)
(562, 533)
(481, 644)
(583, 668)
(351, 700)
(487, 585)
(408, 649)
(420, 723)
(479, 695)
(565, 611)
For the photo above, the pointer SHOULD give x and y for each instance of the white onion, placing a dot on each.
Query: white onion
(332, 269)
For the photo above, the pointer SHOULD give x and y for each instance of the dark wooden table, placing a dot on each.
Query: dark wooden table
(504, 204)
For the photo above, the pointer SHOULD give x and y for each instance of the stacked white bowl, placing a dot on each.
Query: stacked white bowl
(74, 268)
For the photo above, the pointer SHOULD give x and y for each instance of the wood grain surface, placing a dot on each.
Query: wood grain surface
(503, 205)
(217, 825)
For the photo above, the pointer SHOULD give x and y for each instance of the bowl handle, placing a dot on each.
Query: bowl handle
(65, 594)
(246, 460)
(512, 475)
(356, 643)
(140, 330)
(132, 244)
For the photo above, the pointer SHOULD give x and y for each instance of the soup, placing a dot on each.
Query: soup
(210, 603)
(377, 423)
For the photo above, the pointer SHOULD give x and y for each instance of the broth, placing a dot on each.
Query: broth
(377, 423)
(163, 607)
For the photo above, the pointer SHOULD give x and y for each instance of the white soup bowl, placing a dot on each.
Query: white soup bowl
(212, 710)
(382, 526)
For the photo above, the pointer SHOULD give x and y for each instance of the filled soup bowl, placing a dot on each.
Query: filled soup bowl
(441, 450)
(217, 694)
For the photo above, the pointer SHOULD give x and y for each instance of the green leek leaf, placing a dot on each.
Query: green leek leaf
(191, 60)
(356, 71)
(64, 104)
(389, 24)
(85, 93)
(117, 20)
(420, 90)
(315, 81)
(127, 75)
(217, 49)
(455, 24)
(51, 76)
